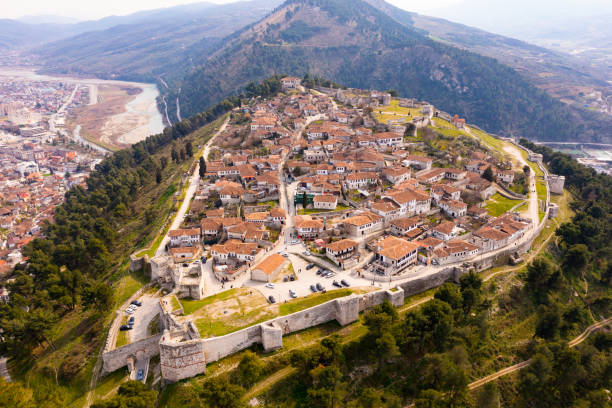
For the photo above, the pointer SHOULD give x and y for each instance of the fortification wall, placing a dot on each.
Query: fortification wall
(118, 357)
(181, 360)
(215, 348)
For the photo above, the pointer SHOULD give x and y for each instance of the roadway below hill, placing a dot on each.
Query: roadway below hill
(194, 181)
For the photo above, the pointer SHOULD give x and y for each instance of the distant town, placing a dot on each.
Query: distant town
(39, 162)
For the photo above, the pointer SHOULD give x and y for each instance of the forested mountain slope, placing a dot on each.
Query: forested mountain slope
(562, 75)
(354, 43)
(146, 44)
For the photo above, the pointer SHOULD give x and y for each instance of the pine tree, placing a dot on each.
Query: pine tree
(202, 167)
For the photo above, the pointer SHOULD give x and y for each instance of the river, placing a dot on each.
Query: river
(144, 105)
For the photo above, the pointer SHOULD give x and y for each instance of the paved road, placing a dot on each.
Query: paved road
(142, 317)
(194, 180)
(4, 370)
(533, 196)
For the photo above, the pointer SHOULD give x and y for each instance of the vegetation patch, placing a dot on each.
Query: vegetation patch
(498, 205)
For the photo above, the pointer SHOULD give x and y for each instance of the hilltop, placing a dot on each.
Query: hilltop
(358, 45)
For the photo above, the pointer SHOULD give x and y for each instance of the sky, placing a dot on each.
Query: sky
(494, 15)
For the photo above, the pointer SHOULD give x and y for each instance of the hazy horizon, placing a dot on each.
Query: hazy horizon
(516, 19)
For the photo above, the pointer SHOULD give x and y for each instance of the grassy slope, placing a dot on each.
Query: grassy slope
(498, 204)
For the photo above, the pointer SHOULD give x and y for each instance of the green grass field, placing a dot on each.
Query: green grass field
(191, 306)
(498, 204)
(305, 211)
(312, 300)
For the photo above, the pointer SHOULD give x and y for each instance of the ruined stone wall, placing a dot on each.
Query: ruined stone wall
(118, 357)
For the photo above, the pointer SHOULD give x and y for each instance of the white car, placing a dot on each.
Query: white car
(307, 253)
(270, 285)
(295, 242)
(286, 255)
(292, 293)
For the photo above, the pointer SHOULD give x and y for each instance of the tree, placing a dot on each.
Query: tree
(182, 155)
(158, 176)
(163, 161)
(202, 167)
(304, 200)
(132, 394)
(174, 154)
(449, 294)
(488, 397)
(370, 398)
(15, 395)
(526, 170)
(250, 369)
(189, 148)
(576, 257)
(98, 296)
(328, 389)
(488, 174)
(540, 275)
(220, 393)
(549, 322)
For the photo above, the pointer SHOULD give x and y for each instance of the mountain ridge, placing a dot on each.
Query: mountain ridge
(365, 48)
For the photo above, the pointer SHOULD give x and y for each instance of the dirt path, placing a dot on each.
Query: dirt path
(268, 382)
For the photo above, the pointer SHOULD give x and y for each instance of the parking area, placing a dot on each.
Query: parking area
(305, 277)
(143, 315)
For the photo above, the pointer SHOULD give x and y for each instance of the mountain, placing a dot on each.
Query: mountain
(561, 73)
(145, 44)
(16, 34)
(359, 45)
(47, 19)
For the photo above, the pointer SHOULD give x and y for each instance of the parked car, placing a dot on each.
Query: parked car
(319, 286)
(319, 271)
(292, 294)
(294, 242)
(313, 288)
(140, 375)
(136, 303)
(331, 274)
(292, 278)
(344, 283)
(125, 327)
(286, 255)
(336, 284)
(286, 279)
(271, 299)
(306, 253)
(270, 285)
(185, 265)
(310, 266)
(131, 321)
